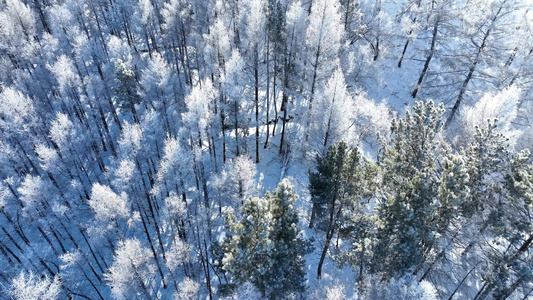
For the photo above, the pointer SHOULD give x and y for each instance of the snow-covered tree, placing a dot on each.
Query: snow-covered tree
(236, 182)
(107, 205)
(199, 115)
(406, 287)
(132, 270)
(484, 26)
(501, 106)
(264, 246)
(323, 40)
(125, 90)
(187, 290)
(407, 204)
(157, 88)
(246, 291)
(236, 106)
(331, 115)
(18, 30)
(140, 121)
(30, 286)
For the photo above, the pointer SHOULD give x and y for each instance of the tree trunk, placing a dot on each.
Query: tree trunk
(256, 77)
(328, 128)
(404, 49)
(329, 235)
(376, 49)
(283, 105)
(274, 97)
(460, 283)
(267, 93)
(346, 14)
(313, 217)
(236, 123)
(311, 98)
(472, 68)
(407, 41)
(156, 257)
(428, 59)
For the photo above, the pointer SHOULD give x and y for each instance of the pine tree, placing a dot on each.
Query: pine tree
(247, 249)
(126, 89)
(287, 274)
(324, 184)
(499, 209)
(409, 190)
(487, 156)
(336, 188)
(264, 247)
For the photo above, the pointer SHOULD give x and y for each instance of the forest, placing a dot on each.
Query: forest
(266, 149)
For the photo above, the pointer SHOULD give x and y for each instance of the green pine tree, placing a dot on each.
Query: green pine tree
(502, 207)
(337, 187)
(487, 155)
(264, 247)
(409, 193)
(126, 88)
(288, 267)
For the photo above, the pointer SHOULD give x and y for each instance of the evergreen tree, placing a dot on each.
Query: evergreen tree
(126, 89)
(498, 212)
(408, 201)
(287, 274)
(336, 188)
(264, 247)
(487, 157)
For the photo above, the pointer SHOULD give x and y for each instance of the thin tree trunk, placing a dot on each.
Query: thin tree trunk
(407, 41)
(328, 128)
(313, 216)
(236, 123)
(274, 99)
(313, 84)
(267, 93)
(428, 59)
(284, 106)
(256, 77)
(346, 14)
(472, 69)
(513, 287)
(376, 49)
(329, 235)
(460, 283)
(156, 257)
(404, 49)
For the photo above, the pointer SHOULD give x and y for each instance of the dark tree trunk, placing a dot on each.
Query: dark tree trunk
(472, 68)
(256, 79)
(329, 235)
(428, 59)
(407, 41)
(267, 93)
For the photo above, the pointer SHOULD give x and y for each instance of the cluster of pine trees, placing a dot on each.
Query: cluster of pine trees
(138, 137)
(451, 217)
